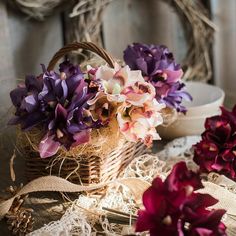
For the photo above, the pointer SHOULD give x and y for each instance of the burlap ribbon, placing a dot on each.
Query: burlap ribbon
(227, 199)
(57, 184)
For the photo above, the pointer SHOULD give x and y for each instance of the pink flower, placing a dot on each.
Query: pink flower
(122, 84)
(139, 93)
(217, 150)
(102, 109)
(125, 95)
(173, 208)
(139, 123)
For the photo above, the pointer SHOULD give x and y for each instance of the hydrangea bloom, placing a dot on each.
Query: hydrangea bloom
(160, 69)
(216, 151)
(174, 208)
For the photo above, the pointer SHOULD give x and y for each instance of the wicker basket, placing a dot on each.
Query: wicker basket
(81, 169)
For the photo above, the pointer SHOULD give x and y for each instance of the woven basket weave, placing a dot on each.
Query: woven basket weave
(81, 169)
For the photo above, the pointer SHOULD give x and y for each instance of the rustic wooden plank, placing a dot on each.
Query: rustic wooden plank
(25, 44)
(6, 61)
(6, 82)
(33, 42)
(224, 51)
(6, 68)
(127, 21)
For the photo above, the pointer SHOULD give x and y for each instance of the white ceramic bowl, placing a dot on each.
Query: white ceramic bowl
(206, 102)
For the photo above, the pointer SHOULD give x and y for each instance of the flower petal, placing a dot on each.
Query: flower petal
(48, 147)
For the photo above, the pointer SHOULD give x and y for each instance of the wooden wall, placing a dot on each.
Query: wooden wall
(26, 43)
(223, 13)
(128, 21)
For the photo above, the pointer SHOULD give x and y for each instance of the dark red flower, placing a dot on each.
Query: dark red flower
(180, 177)
(156, 217)
(173, 208)
(217, 150)
(200, 221)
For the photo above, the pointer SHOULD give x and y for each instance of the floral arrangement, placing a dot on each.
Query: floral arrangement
(68, 105)
(217, 149)
(173, 207)
(159, 68)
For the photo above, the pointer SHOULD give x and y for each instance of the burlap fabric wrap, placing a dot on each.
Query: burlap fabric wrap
(101, 160)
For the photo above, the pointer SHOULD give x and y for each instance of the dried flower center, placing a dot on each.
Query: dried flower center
(186, 225)
(63, 76)
(189, 189)
(167, 220)
(59, 133)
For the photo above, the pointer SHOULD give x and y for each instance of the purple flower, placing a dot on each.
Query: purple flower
(29, 110)
(58, 103)
(173, 208)
(152, 59)
(61, 87)
(60, 135)
(174, 95)
(72, 122)
(158, 66)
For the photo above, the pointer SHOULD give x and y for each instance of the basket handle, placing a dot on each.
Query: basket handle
(82, 45)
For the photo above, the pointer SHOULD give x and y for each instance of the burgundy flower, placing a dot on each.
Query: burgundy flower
(197, 220)
(204, 155)
(156, 217)
(173, 208)
(158, 66)
(180, 177)
(217, 150)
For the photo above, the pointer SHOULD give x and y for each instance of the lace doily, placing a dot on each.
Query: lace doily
(86, 212)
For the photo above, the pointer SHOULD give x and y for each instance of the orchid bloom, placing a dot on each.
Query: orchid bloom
(159, 68)
(139, 123)
(122, 84)
(173, 208)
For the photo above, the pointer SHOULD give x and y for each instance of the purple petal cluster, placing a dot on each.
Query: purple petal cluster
(173, 208)
(217, 149)
(160, 69)
(56, 102)
(29, 111)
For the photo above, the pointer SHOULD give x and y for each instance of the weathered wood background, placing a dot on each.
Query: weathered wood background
(25, 44)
